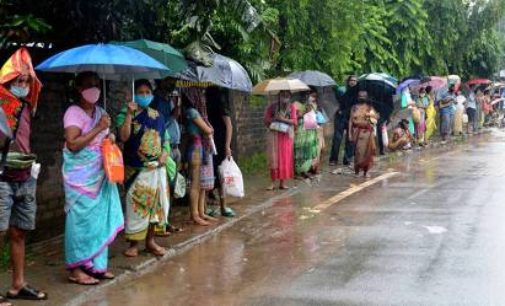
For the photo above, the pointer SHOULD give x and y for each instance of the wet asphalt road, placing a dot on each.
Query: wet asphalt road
(432, 235)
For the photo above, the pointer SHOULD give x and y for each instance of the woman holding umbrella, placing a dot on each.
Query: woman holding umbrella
(93, 209)
(280, 119)
(146, 149)
(361, 125)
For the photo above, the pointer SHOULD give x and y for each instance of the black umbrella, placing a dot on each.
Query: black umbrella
(380, 94)
(224, 72)
(313, 78)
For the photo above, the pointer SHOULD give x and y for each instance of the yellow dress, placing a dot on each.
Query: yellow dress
(431, 124)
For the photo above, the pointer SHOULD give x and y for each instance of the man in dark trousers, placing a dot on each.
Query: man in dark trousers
(219, 112)
(340, 132)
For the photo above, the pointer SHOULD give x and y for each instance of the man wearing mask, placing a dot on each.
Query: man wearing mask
(341, 123)
(19, 92)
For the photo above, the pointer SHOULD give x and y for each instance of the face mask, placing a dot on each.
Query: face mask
(362, 100)
(19, 91)
(422, 95)
(285, 100)
(91, 95)
(312, 99)
(143, 101)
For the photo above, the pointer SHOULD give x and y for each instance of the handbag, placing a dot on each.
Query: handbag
(321, 118)
(416, 115)
(280, 127)
(310, 120)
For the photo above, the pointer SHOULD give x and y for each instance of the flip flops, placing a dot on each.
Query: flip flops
(28, 293)
(228, 212)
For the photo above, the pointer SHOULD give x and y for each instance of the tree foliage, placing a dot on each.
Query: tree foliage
(275, 37)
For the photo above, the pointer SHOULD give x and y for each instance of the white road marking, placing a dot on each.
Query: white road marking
(347, 193)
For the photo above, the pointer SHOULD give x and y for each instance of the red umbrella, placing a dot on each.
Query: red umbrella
(478, 82)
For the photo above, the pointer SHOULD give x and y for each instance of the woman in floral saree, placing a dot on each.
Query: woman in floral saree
(142, 129)
(93, 209)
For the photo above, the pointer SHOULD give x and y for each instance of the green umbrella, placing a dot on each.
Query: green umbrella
(164, 53)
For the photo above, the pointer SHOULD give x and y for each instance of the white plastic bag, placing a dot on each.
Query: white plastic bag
(465, 118)
(385, 139)
(231, 178)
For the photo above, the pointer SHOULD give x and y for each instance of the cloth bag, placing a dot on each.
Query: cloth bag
(171, 169)
(112, 161)
(231, 178)
(416, 115)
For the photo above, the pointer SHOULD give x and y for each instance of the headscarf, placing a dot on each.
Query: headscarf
(20, 63)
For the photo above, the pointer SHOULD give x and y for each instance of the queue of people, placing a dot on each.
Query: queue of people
(149, 129)
(152, 127)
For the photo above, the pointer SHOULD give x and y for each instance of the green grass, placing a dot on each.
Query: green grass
(255, 164)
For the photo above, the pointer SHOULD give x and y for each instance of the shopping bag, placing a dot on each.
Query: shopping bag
(385, 139)
(112, 161)
(321, 117)
(171, 168)
(231, 178)
(180, 186)
(465, 118)
(310, 120)
(416, 115)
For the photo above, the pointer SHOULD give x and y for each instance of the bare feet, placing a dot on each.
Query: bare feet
(77, 276)
(131, 252)
(199, 221)
(208, 218)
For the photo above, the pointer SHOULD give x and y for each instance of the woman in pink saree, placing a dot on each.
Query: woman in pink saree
(280, 119)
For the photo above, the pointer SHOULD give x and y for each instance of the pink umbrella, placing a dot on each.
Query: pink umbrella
(435, 82)
(478, 82)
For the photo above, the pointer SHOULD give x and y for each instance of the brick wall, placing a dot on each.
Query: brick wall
(47, 143)
(249, 130)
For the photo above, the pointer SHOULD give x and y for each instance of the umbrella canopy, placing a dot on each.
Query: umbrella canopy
(224, 72)
(274, 86)
(435, 82)
(478, 82)
(406, 83)
(109, 61)
(380, 93)
(381, 77)
(164, 53)
(313, 78)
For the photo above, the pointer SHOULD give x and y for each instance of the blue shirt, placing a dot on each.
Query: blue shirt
(451, 109)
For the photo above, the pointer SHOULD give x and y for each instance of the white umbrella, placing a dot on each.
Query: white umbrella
(274, 86)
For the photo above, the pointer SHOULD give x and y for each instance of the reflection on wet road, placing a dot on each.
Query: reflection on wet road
(432, 235)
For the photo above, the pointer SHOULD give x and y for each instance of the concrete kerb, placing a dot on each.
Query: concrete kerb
(150, 264)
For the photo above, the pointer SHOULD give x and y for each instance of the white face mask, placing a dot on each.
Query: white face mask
(312, 99)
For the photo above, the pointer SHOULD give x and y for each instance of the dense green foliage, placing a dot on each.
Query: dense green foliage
(275, 37)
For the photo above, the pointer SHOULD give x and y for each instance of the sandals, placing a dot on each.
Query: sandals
(174, 229)
(28, 293)
(228, 212)
(100, 276)
(157, 252)
(80, 282)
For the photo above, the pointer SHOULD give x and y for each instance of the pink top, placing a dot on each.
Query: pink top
(77, 117)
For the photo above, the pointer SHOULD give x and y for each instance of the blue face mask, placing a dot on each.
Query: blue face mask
(20, 92)
(143, 101)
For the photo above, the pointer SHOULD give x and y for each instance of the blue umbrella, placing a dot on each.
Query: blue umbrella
(112, 62)
(406, 84)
